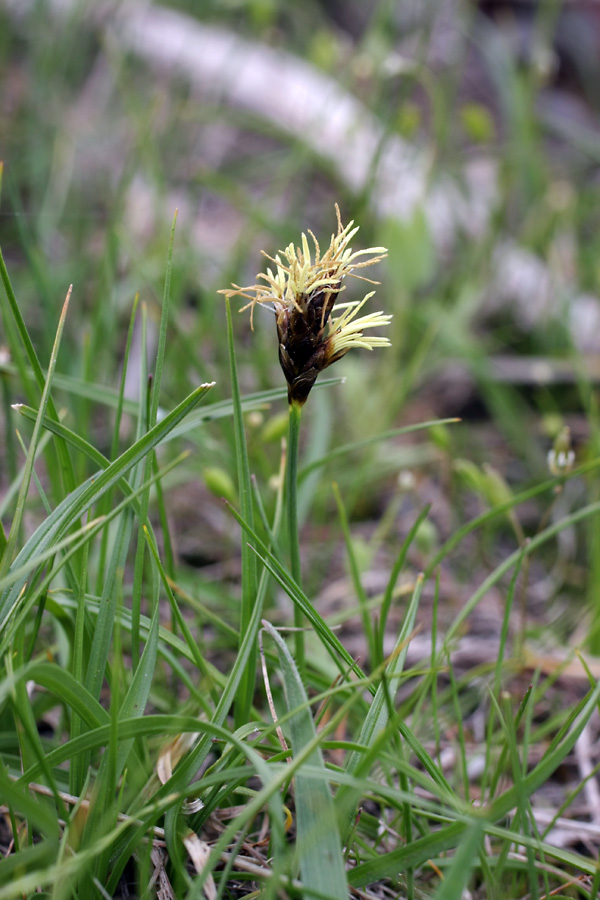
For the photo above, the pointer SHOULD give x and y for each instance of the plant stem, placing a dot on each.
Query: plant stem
(291, 490)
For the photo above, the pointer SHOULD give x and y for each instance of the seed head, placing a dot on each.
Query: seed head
(302, 290)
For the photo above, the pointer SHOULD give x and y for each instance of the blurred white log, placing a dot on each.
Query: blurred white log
(310, 106)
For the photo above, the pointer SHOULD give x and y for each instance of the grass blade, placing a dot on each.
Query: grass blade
(38, 374)
(318, 841)
(456, 880)
(356, 579)
(249, 561)
(15, 528)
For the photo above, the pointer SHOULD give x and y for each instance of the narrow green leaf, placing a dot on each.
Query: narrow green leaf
(28, 859)
(36, 373)
(9, 550)
(386, 603)
(136, 698)
(152, 417)
(21, 799)
(76, 769)
(411, 856)
(356, 579)
(18, 573)
(61, 683)
(140, 473)
(192, 646)
(103, 631)
(2, 542)
(70, 437)
(317, 837)
(249, 562)
(457, 877)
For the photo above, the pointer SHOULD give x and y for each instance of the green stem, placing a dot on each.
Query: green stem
(291, 491)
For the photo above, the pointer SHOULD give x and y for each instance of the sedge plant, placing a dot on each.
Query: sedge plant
(314, 330)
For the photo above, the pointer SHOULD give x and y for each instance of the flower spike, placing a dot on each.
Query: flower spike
(302, 291)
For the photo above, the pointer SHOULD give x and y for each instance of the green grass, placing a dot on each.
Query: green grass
(167, 528)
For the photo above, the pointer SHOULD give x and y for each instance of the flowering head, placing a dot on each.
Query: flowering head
(302, 290)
